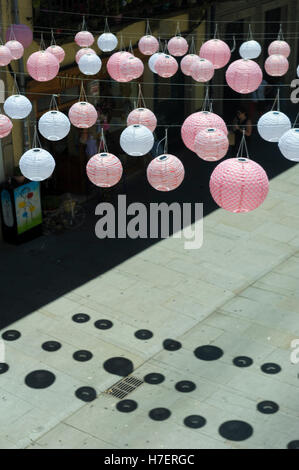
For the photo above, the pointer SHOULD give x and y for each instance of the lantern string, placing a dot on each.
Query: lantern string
(130, 49)
(249, 35)
(106, 27)
(206, 103)
(103, 143)
(12, 36)
(192, 49)
(296, 119)
(242, 146)
(178, 31)
(216, 35)
(84, 26)
(53, 42)
(234, 44)
(53, 103)
(36, 142)
(82, 96)
(148, 31)
(166, 142)
(280, 34)
(160, 45)
(1, 40)
(42, 45)
(121, 44)
(15, 88)
(276, 101)
(140, 99)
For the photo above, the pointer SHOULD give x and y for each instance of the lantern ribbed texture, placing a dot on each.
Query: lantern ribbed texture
(107, 42)
(16, 49)
(152, 61)
(197, 122)
(90, 64)
(187, 62)
(244, 76)
(21, 32)
(5, 126)
(279, 47)
(132, 68)
(142, 116)
(250, 49)
(104, 170)
(136, 140)
(272, 125)
(148, 45)
(289, 145)
(177, 46)
(81, 52)
(54, 125)
(83, 115)
(42, 66)
(202, 70)
(165, 173)
(37, 164)
(276, 65)
(113, 65)
(211, 144)
(84, 39)
(239, 185)
(216, 51)
(5, 56)
(57, 51)
(17, 107)
(166, 66)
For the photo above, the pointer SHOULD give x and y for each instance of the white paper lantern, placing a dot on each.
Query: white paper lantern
(289, 145)
(272, 125)
(54, 125)
(107, 42)
(152, 60)
(136, 140)
(37, 164)
(17, 107)
(250, 49)
(90, 64)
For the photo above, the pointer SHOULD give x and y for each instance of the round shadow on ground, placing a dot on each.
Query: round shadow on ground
(235, 430)
(11, 335)
(119, 366)
(242, 361)
(40, 379)
(271, 368)
(86, 394)
(103, 324)
(82, 356)
(293, 445)
(267, 407)
(126, 406)
(3, 367)
(154, 378)
(171, 345)
(195, 421)
(159, 414)
(144, 334)
(80, 317)
(51, 346)
(185, 386)
(208, 352)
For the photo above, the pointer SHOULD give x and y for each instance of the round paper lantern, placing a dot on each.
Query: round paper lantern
(289, 145)
(136, 140)
(272, 125)
(239, 185)
(16, 49)
(166, 66)
(152, 61)
(131, 68)
(279, 47)
(177, 46)
(276, 65)
(250, 49)
(197, 122)
(17, 107)
(54, 125)
(5, 56)
(5, 126)
(148, 45)
(113, 65)
(83, 115)
(244, 76)
(42, 66)
(202, 70)
(165, 172)
(104, 170)
(216, 51)
(187, 62)
(211, 144)
(107, 42)
(81, 52)
(57, 51)
(37, 164)
(21, 33)
(84, 39)
(142, 116)
(90, 64)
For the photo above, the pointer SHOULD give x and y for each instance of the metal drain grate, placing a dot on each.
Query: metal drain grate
(125, 386)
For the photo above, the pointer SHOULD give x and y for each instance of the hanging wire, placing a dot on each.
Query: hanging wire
(36, 142)
(130, 49)
(165, 48)
(140, 99)
(249, 35)
(42, 45)
(178, 31)
(84, 26)
(206, 103)
(148, 31)
(192, 49)
(276, 101)
(82, 96)
(165, 140)
(15, 88)
(234, 45)
(280, 33)
(53, 42)
(53, 103)
(106, 27)
(296, 119)
(121, 44)
(103, 143)
(242, 146)
(216, 36)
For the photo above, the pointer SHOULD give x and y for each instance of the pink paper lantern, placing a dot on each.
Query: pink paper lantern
(131, 68)
(239, 185)
(57, 51)
(21, 32)
(104, 170)
(202, 70)
(165, 173)
(166, 66)
(187, 62)
(197, 122)
(177, 46)
(279, 47)
(84, 39)
(211, 144)
(114, 63)
(142, 116)
(42, 66)
(16, 49)
(83, 115)
(5, 56)
(276, 65)
(81, 52)
(148, 45)
(244, 76)
(5, 126)
(216, 51)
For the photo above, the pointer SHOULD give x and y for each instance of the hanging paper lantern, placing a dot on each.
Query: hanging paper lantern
(166, 66)
(136, 140)
(152, 61)
(104, 170)
(113, 65)
(202, 70)
(272, 125)
(57, 51)
(250, 49)
(216, 51)
(17, 107)
(142, 116)
(131, 68)
(279, 47)
(5, 56)
(5, 126)
(177, 46)
(81, 52)
(239, 185)
(84, 39)
(148, 45)
(165, 173)
(211, 144)
(42, 66)
(197, 122)
(90, 64)
(276, 65)
(21, 33)
(16, 49)
(54, 125)
(37, 164)
(187, 62)
(244, 76)
(289, 145)
(107, 42)
(83, 115)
